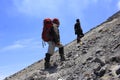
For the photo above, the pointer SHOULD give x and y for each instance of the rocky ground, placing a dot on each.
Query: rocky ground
(98, 58)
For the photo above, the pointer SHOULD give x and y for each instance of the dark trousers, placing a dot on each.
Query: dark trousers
(78, 38)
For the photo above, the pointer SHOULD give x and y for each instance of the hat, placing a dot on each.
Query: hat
(77, 20)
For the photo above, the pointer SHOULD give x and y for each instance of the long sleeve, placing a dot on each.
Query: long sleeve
(55, 34)
(77, 28)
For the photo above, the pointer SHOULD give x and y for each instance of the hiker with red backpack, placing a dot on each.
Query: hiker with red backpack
(51, 35)
(78, 31)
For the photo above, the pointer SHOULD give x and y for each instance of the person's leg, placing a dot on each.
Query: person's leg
(47, 60)
(61, 53)
(50, 52)
(78, 38)
(51, 47)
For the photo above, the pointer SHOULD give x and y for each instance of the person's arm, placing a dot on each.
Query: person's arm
(75, 29)
(55, 34)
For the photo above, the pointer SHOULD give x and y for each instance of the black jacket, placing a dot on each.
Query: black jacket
(78, 29)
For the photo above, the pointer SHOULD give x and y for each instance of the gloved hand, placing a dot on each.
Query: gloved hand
(59, 44)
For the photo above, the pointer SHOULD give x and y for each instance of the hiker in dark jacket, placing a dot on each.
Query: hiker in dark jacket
(54, 42)
(78, 30)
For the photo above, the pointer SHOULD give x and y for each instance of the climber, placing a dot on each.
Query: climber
(53, 42)
(78, 30)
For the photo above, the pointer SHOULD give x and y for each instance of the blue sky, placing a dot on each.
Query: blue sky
(21, 26)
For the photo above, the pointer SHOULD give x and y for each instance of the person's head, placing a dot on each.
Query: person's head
(77, 20)
(56, 21)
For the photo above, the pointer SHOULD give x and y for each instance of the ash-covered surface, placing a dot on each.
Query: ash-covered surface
(98, 58)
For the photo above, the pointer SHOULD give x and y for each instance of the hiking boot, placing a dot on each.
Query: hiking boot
(62, 58)
(47, 65)
(61, 52)
(47, 60)
(78, 40)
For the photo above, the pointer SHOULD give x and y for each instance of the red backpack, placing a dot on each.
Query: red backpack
(47, 24)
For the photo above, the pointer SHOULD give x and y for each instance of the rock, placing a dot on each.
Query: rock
(115, 59)
(99, 71)
(118, 71)
(99, 61)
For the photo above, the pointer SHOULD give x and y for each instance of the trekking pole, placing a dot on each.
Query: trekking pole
(43, 44)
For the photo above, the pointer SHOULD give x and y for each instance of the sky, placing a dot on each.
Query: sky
(21, 23)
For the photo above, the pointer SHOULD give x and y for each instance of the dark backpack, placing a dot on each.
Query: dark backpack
(47, 24)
